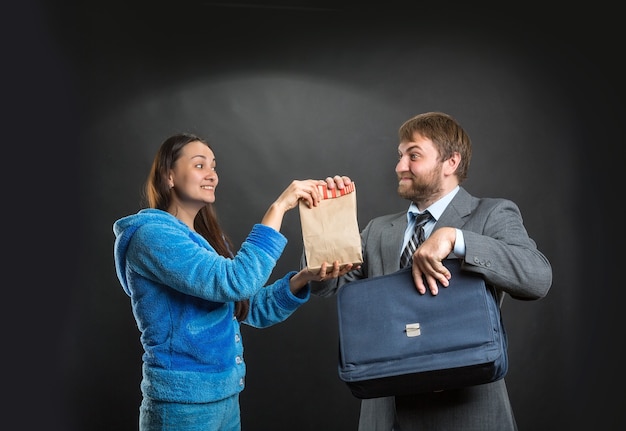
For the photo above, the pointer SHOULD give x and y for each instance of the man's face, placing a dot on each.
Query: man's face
(419, 170)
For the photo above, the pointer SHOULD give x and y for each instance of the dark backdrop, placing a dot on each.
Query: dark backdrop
(297, 89)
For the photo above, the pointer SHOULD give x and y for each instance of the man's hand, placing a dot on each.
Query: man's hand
(427, 260)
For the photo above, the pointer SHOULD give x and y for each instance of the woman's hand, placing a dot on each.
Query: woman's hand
(325, 272)
(300, 190)
(339, 181)
(305, 190)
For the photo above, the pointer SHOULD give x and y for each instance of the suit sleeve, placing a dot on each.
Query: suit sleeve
(503, 253)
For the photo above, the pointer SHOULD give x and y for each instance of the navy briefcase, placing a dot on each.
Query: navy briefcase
(394, 341)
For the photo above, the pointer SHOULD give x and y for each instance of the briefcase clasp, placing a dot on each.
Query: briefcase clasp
(412, 329)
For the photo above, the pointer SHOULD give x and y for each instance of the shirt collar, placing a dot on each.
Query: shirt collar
(435, 209)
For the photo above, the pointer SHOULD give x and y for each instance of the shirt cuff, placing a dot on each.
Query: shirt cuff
(459, 244)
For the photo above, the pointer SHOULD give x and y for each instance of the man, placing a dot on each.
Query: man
(488, 236)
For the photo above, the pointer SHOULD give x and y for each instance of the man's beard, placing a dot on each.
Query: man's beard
(424, 188)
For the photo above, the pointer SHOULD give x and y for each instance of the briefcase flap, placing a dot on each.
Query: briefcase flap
(386, 328)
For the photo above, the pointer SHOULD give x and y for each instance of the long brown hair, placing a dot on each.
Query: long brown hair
(206, 223)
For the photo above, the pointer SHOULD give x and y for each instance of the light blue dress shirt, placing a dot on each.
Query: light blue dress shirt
(435, 210)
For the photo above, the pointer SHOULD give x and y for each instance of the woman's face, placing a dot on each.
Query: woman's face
(194, 175)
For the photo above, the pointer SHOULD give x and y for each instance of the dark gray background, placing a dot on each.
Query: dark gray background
(296, 89)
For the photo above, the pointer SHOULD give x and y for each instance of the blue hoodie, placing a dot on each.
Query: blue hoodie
(182, 295)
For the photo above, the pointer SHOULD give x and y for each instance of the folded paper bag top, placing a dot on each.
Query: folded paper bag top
(336, 192)
(330, 231)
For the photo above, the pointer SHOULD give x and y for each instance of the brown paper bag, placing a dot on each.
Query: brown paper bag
(330, 231)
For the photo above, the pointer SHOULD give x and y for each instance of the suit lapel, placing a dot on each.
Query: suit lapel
(392, 243)
(454, 215)
(457, 211)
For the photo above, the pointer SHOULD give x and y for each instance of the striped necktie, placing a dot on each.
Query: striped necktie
(416, 239)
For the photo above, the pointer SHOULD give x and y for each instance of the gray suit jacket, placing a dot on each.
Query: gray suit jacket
(499, 248)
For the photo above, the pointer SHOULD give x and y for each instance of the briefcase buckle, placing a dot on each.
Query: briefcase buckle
(412, 329)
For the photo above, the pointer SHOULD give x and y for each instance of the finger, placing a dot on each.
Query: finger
(312, 195)
(317, 193)
(331, 271)
(443, 276)
(418, 279)
(432, 284)
(438, 272)
(306, 198)
(346, 268)
(349, 267)
(342, 181)
(322, 272)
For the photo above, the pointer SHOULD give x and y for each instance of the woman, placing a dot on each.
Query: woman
(189, 292)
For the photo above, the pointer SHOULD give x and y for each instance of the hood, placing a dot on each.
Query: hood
(124, 229)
